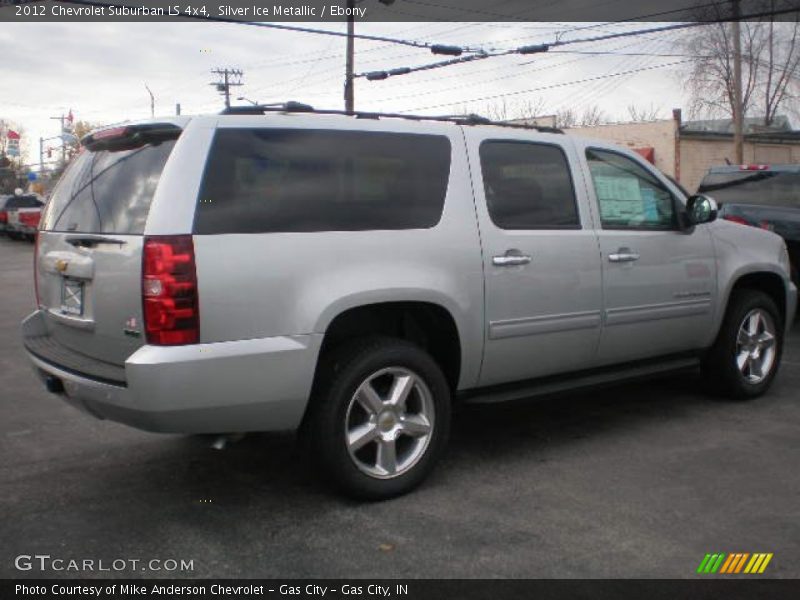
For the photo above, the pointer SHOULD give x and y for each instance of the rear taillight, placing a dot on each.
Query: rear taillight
(36, 269)
(169, 291)
(736, 219)
(31, 219)
(3, 216)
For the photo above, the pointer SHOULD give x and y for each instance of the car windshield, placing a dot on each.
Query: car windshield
(769, 188)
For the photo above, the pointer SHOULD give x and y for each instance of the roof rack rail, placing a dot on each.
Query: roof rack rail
(292, 107)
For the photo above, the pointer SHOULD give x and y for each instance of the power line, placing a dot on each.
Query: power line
(553, 86)
(545, 47)
(360, 36)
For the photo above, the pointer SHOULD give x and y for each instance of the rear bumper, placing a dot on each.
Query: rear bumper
(225, 387)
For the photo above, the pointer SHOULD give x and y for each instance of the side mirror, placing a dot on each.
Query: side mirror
(701, 209)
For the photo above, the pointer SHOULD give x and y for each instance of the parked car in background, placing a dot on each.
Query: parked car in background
(22, 215)
(3, 214)
(354, 277)
(765, 196)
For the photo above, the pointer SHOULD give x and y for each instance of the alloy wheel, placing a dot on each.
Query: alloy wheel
(389, 422)
(755, 346)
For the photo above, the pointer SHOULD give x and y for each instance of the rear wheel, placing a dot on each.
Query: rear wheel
(379, 418)
(745, 358)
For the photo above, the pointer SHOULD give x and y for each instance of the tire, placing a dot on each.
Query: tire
(742, 366)
(343, 408)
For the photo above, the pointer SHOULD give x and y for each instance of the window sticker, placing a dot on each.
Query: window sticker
(620, 198)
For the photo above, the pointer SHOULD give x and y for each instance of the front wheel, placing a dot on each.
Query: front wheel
(745, 358)
(379, 418)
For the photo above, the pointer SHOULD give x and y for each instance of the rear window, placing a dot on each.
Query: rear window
(769, 188)
(107, 191)
(23, 202)
(275, 180)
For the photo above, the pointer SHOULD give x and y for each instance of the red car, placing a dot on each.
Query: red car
(22, 214)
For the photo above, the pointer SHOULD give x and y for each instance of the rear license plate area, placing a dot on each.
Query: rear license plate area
(72, 296)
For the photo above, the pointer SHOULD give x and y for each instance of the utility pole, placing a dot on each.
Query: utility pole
(152, 100)
(349, 91)
(62, 118)
(738, 116)
(228, 78)
(349, 79)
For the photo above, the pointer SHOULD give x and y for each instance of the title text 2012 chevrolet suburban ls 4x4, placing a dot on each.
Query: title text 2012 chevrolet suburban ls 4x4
(350, 277)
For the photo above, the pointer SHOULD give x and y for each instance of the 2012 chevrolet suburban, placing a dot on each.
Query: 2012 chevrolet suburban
(351, 276)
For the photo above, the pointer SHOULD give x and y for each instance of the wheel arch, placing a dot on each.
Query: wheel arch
(428, 324)
(766, 281)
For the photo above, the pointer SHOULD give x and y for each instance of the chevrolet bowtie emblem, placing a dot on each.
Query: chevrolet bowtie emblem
(61, 265)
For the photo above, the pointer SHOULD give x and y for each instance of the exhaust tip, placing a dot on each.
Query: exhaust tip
(54, 385)
(221, 442)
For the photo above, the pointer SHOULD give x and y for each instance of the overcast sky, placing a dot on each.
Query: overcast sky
(99, 70)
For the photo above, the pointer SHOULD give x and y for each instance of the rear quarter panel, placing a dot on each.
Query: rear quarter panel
(275, 284)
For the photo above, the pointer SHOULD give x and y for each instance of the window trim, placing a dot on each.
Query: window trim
(576, 227)
(675, 226)
(285, 128)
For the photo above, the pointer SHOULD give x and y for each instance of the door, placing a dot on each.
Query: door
(541, 263)
(659, 280)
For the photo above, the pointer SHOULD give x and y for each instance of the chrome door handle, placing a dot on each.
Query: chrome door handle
(510, 260)
(623, 255)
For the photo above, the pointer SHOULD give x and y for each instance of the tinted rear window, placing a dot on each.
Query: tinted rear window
(107, 191)
(528, 186)
(23, 202)
(753, 187)
(275, 180)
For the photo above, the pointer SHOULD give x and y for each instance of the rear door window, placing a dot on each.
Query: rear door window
(278, 180)
(107, 191)
(528, 186)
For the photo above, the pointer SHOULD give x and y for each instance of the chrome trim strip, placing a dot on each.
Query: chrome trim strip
(546, 324)
(652, 312)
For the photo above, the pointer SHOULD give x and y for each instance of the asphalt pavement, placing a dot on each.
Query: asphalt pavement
(640, 480)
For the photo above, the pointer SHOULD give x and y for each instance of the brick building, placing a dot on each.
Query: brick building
(686, 150)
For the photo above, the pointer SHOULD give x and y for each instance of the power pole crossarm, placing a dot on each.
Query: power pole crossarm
(228, 78)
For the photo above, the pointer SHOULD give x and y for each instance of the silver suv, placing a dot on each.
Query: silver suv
(352, 276)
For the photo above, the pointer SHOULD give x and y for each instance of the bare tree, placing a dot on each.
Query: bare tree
(503, 110)
(644, 114)
(770, 58)
(591, 116)
(566, 118)
(781, 63)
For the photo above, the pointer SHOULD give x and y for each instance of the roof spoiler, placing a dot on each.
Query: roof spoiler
(124, 137)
